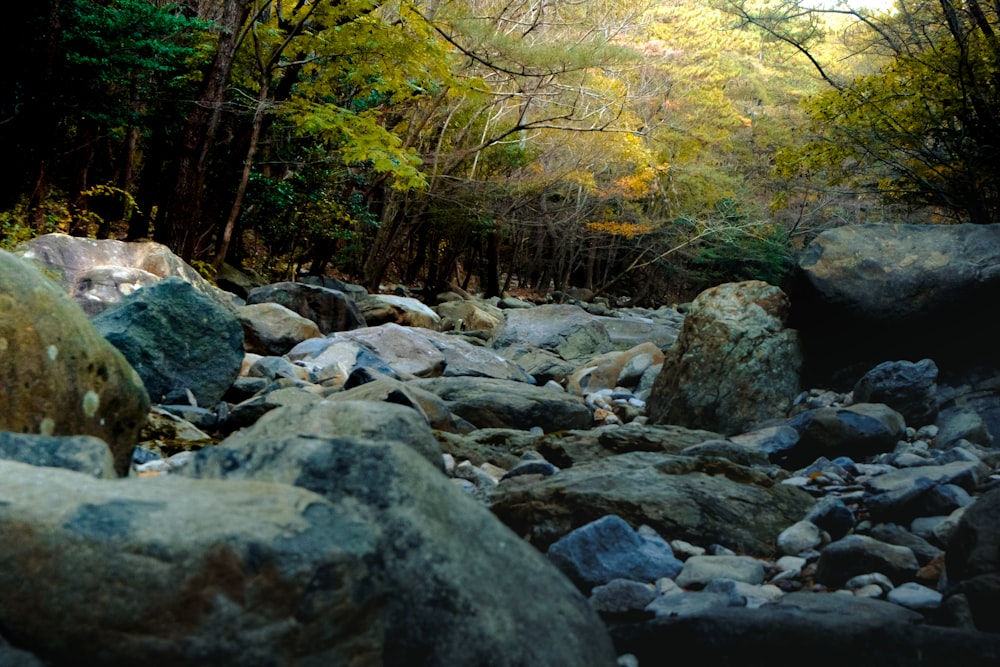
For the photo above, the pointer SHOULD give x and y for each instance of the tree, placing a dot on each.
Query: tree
(923, 127)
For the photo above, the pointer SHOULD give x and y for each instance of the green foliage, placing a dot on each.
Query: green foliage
(745, 252)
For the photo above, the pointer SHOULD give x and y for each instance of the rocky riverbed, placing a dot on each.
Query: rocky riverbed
(304, 472)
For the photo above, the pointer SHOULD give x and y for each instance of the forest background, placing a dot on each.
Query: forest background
(643, 149)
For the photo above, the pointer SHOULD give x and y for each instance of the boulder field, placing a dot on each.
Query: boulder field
(305, 473)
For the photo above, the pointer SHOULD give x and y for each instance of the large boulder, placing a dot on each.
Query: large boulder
(867, 293)
(402, 310)
(566, 330)
(175, 571)
(493, 403)
(330, 309)
(178, 340)
(60, 377)
(100, 273)
(460, 588)
(735, 364)
(413, 351)
(973, 558)
(704, 501)
(271, 329)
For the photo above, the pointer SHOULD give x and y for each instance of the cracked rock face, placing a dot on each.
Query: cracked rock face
(734, 364)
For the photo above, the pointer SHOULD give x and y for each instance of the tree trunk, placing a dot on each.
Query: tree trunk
(182, 217)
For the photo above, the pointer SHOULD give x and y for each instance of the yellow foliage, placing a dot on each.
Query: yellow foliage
(628, 230)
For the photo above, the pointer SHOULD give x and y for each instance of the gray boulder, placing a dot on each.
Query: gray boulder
(81, 453)
(833, 629)
(60, 376)
(270, 329)
(493, 403)
(733, 365)
(460, 588)
(402, 310)
(857, 431)
(330, 309)
(702, 501)
(860, 554)
(178, 340)
(566, 330)
(422, 352)
(908, 388)
(185, 572)
(608, 549)
(368, 420)
(867, 293)
(973, 561)
(100, 273)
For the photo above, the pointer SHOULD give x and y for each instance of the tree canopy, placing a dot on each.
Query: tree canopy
(646, 149)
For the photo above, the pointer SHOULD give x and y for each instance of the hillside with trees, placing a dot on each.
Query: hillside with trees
(645, 149)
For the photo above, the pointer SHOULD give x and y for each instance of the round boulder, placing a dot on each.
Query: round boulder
(60, 376)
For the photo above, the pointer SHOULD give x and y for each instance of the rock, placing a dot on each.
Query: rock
(907, 493)
(700, 501)
(330, 309)
(800, 537)
(60, 376)
(831, 629)
(402, 310)
(857, 431)
(622, 600)
(80, 453)
(185, 572)
(332, 360)
(973, 560)
(421, 352)
(604, 371)
(607, 549)
(178, 340)
(860, 554)
(100, 273)
(271, 329)
(493, 403)
(237, 281)
(566, 330)
(369, 420)
(734, 364)
(908, 388)
(429, 406)
(867, 293)
(465, 315)
(699, 571)
(459, 588)
(628, 331)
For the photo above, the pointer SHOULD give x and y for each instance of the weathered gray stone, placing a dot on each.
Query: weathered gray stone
(81, 453)
(460, 587)
(271, 329)
(857, 431)
(704, 502)
(734, 364)
(422, 352)
(185, 572)
(100, 273)
(330, 309)
(568, 331)
(908, 388)
(60, 377)
(370, 420)
(177, 340)
(860, 554)
(493, 403)
(973, 560)
(402, 310)
(874, 292)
